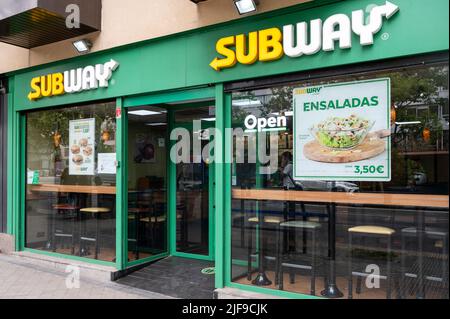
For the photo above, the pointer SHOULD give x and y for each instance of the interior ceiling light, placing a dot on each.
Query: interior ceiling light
(82, 46)
(156, 124)
(245, 6)
(408, 123)
(143, 112)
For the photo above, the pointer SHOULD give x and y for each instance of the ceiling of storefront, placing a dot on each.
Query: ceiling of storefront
(32, 23)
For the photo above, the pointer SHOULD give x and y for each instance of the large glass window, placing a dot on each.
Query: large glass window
(71, 178)
(349, 239)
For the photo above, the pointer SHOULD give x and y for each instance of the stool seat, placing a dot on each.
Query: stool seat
(267, 219)
(65, 207)
(300, 224)
(95, 210)
(373, 230)
(159, 219)
(428, 230)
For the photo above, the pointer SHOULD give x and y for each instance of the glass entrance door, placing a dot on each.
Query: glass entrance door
(170, 198)
(147, 182)
(194, 180)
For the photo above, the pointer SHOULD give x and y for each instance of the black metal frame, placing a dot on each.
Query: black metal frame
(353, 70)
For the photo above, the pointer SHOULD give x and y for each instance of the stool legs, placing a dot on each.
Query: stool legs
(281, 253)
(96, 236)
(54, 230)
(74, 219)
(389, 259)
(277, 261)
(350, 266)
(313, 270)
(445, 265)
(280, 256)
(403, 268)
(359, 278)
(249, 253)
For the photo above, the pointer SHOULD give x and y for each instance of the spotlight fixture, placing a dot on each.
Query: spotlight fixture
(82, 46)
(245, 6)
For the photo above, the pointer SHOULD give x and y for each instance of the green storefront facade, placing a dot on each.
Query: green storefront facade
(170, 70)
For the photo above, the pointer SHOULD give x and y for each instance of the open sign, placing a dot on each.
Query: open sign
(262, 124)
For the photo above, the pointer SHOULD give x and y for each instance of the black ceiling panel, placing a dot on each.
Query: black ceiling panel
(45, 22)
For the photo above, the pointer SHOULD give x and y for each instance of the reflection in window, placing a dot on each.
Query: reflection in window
(284, 241)
(71, 178)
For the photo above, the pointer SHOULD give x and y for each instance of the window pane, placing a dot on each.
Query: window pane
(70, 177)
(285, 232)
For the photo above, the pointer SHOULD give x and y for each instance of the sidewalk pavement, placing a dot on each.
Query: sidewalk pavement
(20, 280)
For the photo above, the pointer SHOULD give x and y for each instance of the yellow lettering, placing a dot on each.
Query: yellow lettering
(230, 56)
(242, 55)
(46, 85)
(36, 89)
(57, 84)
(270, 47)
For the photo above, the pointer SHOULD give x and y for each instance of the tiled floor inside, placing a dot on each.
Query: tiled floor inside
(175, 277)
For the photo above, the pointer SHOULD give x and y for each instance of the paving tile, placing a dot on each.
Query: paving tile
(19, 280)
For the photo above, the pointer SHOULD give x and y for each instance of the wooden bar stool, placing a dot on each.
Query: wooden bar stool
(134, 216)
(273, 221)
(369, 231)
(64, 212)
(283, 258)
(429, 233)
(96, 212)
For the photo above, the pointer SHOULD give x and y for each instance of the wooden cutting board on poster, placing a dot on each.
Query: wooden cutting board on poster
(371, 147)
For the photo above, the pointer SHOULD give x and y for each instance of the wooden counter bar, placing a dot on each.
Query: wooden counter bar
(411, 200)
(110, 190)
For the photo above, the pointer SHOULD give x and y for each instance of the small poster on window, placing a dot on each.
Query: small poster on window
(106, 163)
(342, 131)
(82, 147)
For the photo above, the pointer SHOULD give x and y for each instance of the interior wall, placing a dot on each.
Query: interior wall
(156, 169)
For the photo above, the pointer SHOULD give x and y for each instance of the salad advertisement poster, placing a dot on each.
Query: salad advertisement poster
(342, 131)
(82, 147)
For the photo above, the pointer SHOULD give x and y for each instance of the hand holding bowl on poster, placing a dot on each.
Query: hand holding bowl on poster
(341, 133)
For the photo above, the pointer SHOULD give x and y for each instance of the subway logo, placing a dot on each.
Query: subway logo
(72, 81)
(301, 39)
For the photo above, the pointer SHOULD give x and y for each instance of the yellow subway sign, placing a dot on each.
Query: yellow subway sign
(72, 81)
(302, 38)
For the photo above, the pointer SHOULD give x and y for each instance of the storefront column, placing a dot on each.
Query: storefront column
(121, 185)
(221, 184)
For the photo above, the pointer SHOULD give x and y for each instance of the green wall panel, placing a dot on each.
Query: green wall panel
(183, 60)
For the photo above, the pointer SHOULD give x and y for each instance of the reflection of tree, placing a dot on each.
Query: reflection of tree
(44, 125)
(419, 87)
(280, 101)
(412, 89)
(239, 113)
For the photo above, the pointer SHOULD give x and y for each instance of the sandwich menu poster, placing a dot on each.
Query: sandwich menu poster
(82, 147)
(342, 131)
